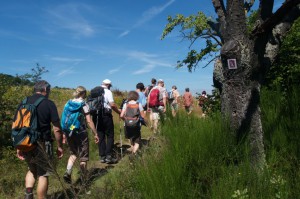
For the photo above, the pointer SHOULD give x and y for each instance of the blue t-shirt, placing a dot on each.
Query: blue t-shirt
(142, 99)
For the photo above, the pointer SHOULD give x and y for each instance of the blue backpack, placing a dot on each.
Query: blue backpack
(72, 117)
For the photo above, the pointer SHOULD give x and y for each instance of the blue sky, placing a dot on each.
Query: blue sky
(84, 42)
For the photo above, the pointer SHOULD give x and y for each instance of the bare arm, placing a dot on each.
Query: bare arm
(123, 114)
(91, 124)
(58, 137)
(114, 107)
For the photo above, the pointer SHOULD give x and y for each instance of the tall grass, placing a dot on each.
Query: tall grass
(198, 158)
(195, 157)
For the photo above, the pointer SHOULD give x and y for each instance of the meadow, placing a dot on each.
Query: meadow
(192, 157)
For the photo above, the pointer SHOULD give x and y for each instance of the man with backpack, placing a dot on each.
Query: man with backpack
(174, 100)
(148, 89)
(157, 103)
(39, 158)
(105, 125)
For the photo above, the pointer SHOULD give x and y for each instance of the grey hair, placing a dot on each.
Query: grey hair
(42, 86)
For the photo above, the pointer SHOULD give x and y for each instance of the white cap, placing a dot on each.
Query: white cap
(160, 80)
(106, 81)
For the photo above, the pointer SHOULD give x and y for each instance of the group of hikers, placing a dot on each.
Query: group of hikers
(93, 111)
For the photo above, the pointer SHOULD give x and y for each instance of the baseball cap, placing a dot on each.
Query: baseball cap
(106, 81)
(160, 80)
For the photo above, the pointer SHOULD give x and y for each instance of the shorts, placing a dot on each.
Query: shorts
(79, 145)
(174, 106)
(188, 108)
(134, 134)
(38, 161)
(156, 111)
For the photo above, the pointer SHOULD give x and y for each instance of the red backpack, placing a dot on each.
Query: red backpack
(154, 98)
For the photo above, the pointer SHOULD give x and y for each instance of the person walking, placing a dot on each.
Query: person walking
(148, 89)
(132, 112)
(39, 160)
(174, 101)
(105, 127)
(140, 88)
(157, 103)
(78, 142)
(188, 101)
(202, 103)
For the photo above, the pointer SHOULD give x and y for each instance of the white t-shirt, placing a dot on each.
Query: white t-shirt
(108, 97)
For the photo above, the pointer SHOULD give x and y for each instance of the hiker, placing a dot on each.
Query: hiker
(174, 100)
(201, 102)
(39, 159)
(105, 127)
(148, 89)
(132, 113)
(157, 101)
(78, 141)
(140, 88)
(188, 101)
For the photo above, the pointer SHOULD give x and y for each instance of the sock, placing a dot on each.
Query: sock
(28, 190)
(69, 171)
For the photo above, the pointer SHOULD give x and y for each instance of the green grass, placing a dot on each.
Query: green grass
(192, 158)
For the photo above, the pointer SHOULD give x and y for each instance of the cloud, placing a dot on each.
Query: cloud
(70, 17)
(151, 59)
(124, 33)
(146, 69)
(110, 72)
(152, 12)
(65, 72)
(65, 59)
(148, 15)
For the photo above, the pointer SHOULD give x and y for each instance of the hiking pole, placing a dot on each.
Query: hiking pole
(120, 125)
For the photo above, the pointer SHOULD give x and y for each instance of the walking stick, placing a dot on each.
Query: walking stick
(120, 125)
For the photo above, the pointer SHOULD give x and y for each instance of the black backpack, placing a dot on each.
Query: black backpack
(96, 101)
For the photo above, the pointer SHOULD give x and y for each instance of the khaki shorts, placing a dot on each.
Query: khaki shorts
(174, 106)
(156, 111)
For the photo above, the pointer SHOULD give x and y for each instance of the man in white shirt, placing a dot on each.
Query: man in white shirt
(105, 127)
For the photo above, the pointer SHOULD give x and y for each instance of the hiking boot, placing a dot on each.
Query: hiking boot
(110, 160)
(102, 159)
(67, 178)
(28, 196)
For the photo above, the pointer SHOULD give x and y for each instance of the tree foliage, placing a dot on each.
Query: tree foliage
(285, 73)
(192, 28)
(35, 75)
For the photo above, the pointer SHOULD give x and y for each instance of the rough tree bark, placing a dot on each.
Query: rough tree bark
(254, 53)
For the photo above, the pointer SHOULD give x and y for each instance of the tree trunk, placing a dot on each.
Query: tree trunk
(240, 91)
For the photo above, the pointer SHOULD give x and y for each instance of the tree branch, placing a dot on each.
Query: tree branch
(265, 9)
(278, 16)
(220, 9)
(248, 4)
(278, 33)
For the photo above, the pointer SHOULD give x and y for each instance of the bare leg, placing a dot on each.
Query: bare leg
(71, 161)
(29, 180)
(135, 147)
(42, 187)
